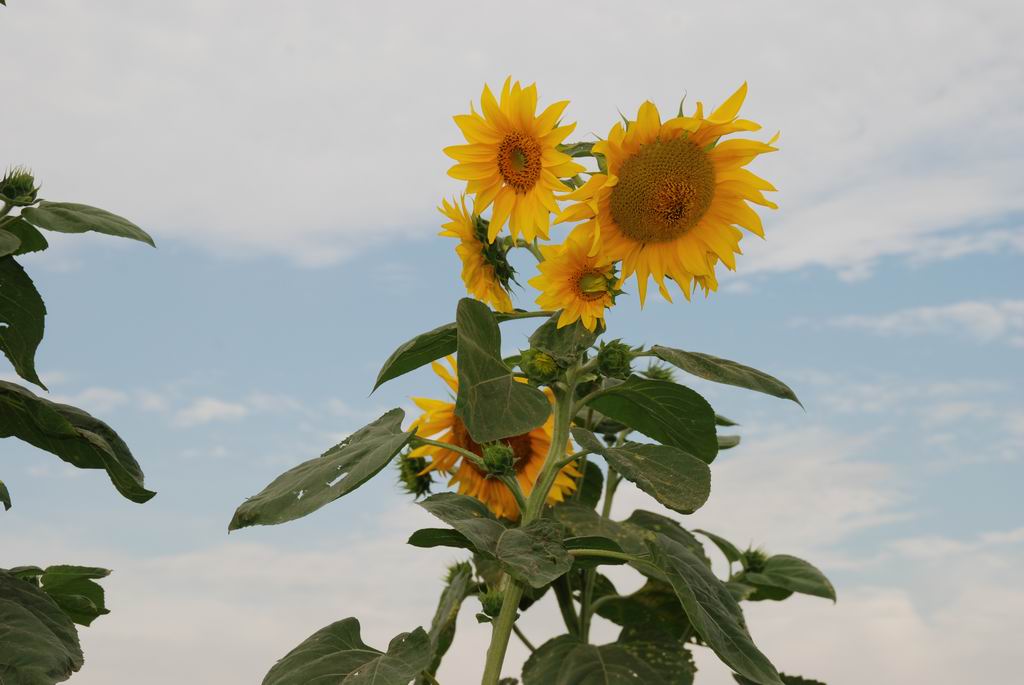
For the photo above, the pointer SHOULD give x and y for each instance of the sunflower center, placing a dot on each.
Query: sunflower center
(522, 445)
(519, 161)
(663, 191)
(590, 285)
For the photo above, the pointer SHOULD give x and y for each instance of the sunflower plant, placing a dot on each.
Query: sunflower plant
(532, 447)
(40, 607)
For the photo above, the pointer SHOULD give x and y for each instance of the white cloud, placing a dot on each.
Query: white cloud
(314, 132)
(95, 400)
(207, 409)
(984, 321)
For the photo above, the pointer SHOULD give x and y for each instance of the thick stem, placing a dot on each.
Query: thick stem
(563, 593)
(501, 633)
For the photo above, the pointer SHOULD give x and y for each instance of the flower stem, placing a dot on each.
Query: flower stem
(523, 638)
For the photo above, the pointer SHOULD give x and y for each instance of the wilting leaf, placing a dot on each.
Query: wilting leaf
(337, 654)
(491, 403)
(340, 470)
(667, 412)
(676, 479)
(39, 644)
(720, 370)
(70, 217)
(565, 660)
(71, 434)
(22, 318)
(793, 574)
(712, 611)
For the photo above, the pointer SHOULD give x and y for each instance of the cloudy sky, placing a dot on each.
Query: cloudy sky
(286, 156)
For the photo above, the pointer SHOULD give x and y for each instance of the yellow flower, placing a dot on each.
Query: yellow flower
(485, 269)
(440, 423)
(673, 195)
(580, 284)
(511, 159)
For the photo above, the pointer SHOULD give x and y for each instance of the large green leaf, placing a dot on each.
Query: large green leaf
(678, 480)
(442, 628)
(565, 660)
(468, 516)
(721, 370)
(70, 217)
(38, 642)
(29, 238)
(340, 470)
(563, 344)
(652, 524)
(337, 655)
(22, 318)
(712, 611)
(670, 413)
(732, 552)
(793, 574)
(9, 243)
(71, 434)
(73, 588)
(652, 613)
(5, 496)
(672, 660)
(534, 554)
(491, 403)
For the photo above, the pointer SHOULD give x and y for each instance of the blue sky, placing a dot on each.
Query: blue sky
(287, 160)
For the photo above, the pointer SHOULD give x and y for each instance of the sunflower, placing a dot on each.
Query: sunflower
(511, 159)
(485, 268)
(673, 195)
(580, 284)
(440, 422)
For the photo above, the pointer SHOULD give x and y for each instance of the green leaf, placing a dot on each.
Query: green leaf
(491, 403)
(712, 611)
(732, 552)
(70, 217)
(565, 660)
(653, 524)
(724, 371)
(468, 516)
(787, 679)
(5, 496)
(755, 592)
(9, 243)
(793, 574)
(581, 521)
(425, 348)
(564, 344)
(22, 317)
(723, 421)
(442, 628)
(727, 442)
(594, 542)
(670, 413)
(672, 660)
(340, 470)
(590, 486)
(651, 614)
(439, 537)
(40, 644)
(676, 479)
(71, 434)
(337, 654)
(534, 554)
(75, 591)
(29, 238)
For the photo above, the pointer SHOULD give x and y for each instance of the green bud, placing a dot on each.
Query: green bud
(539, 367)
(411, 476)
(18, 187)
(491, 601)
(753, 560)
(596, 283)
(456, 569)
(614, 359)
(499, 458)
(659, 372)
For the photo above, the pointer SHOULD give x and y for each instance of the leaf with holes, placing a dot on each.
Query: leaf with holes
(725, 371)
(22, 319)
(340, 470)
(491, 403)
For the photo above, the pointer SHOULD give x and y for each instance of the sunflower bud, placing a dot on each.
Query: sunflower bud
(659, 372)
(499, 459)
(455, 569)
(614, 359)
(753, 560)
(491, 601)
(18, 187)
(412, 477)
(539, 367)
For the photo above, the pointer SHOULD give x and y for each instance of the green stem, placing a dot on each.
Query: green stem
(523, 638)
(586, 597)
(5, 210)
(473, 458)
(563, 593)
(532, 247)
(512, 484)
(431, 680)
(502, 630)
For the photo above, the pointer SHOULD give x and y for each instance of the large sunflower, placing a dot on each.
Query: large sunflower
(580, 284)
(673, 195)
(440, 423)
(511, 159)
(485, 268)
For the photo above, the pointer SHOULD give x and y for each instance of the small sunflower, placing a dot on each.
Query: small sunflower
(580, 284)
(530, 449)
(485, 268)
(673, 195)
(511, 160)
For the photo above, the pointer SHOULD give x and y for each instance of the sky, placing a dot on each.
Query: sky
(287, 159)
